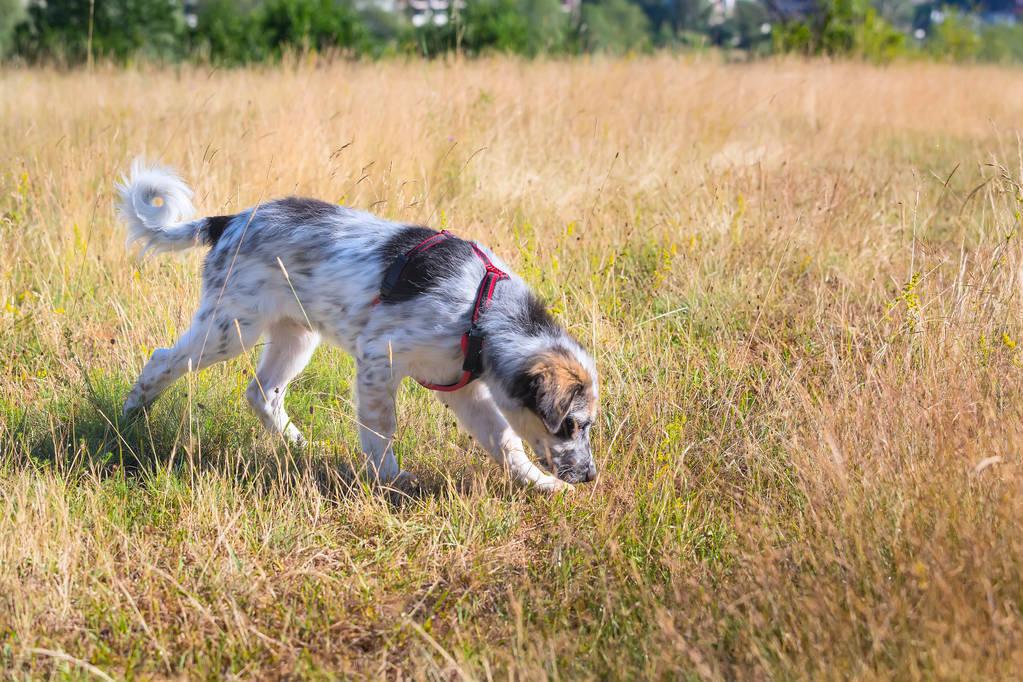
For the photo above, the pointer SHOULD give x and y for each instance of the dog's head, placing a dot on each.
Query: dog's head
(551, 402)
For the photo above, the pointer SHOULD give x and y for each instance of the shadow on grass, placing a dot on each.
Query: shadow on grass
(87, 432)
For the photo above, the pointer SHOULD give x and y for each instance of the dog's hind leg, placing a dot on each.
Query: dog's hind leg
(212, 338)
(289, 348)
(479, 415)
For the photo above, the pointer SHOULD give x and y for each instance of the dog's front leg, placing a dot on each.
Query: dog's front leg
(374, 397)
(480, 416)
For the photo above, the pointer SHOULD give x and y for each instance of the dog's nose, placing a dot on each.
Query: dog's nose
(591, 473)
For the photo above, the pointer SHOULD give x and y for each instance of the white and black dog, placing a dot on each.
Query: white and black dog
(403, 300)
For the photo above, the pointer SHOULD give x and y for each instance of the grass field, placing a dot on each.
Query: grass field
(801, 285)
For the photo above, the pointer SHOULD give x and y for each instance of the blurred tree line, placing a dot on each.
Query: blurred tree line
(231, 32)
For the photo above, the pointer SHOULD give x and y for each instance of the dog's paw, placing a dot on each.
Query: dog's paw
(294, 437)
(405, 484)
(404, 479)
(132, 409)
(553, 485)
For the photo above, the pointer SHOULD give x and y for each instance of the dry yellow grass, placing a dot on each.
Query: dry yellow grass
(801, 284)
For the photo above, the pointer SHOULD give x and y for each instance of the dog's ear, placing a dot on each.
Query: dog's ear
(558, 381)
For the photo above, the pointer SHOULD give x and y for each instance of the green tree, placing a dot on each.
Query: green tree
(1001, 43)
(672, 20)
(549, 26)
(60, 29)
(494, 24)
(228, 32)
(615, 26)
(387, 31)
(875, 39)
(954, 38)
(528, 27)
(11, 14)
(312, 24)
(842, 28)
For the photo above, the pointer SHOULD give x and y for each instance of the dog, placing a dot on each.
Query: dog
(403, 300)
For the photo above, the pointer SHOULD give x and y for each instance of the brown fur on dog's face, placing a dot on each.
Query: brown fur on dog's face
(562, 385)
(557, 393)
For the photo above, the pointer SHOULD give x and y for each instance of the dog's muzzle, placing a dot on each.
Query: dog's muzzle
(581, 472)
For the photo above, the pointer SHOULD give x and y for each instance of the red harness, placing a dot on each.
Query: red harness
(472, 339)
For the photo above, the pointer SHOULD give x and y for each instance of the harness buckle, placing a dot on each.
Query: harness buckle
(473, 349)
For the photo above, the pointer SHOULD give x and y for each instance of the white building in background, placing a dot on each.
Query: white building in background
(437, 12)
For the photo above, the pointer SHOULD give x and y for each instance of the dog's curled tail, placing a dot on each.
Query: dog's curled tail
(153, 200)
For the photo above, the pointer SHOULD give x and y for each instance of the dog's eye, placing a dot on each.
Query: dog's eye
(567, 429)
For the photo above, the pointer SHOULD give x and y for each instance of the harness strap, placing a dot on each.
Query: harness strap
(472, 339)
(397, 267)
